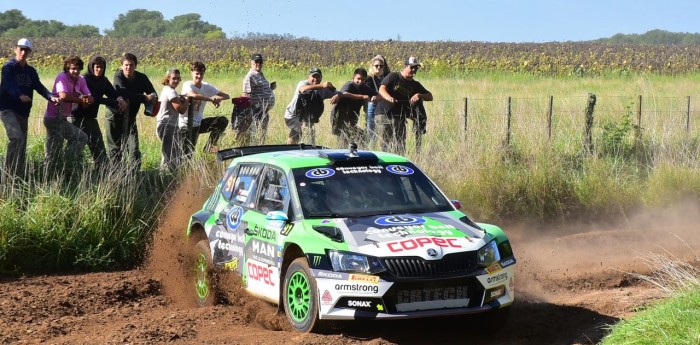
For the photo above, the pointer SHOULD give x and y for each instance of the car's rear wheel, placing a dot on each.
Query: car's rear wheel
(203, 281)
(300, 296)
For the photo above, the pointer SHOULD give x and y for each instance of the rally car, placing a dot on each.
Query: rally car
(331, 234)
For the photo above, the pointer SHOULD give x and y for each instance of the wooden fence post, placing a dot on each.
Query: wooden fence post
(639, 118)
(466, 115)
(588, 132)
(508, 116)
(549, 117)
(687, 122)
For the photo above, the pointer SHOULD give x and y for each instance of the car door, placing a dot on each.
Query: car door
(265, 222)
(240, 190)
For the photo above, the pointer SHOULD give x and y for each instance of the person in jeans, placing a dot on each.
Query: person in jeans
(18, 82)
(122, 132)
(201, 93)
(72, 92)
(378, 69)
(402, 98)
(172, 107)
(85, 118)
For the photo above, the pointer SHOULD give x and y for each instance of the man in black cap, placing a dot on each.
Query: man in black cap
(306, 106)
(19, 81)
(402, 98)
(262, 99)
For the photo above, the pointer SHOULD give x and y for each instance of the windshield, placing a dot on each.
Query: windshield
(358, 191)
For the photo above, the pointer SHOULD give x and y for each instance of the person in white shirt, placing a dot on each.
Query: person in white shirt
(201, 93)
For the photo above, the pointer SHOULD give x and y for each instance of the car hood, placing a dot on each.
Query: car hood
(428, 235)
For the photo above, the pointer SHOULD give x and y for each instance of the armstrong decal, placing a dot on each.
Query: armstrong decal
(358, 288)
(320, 173)
(497, 278)
(233, 218)
(420, 242)
(399, 170)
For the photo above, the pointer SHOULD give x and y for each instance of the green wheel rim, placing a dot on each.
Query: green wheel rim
(201, 283)
(299, 297)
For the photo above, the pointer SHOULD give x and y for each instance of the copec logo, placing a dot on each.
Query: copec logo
(399, 220)
(260, 273)
(320, 173)
(420, 242)
(233, 219)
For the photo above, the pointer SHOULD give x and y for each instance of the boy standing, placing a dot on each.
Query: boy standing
(122, 132)
(201, 93)
(19, 81)
(346, 113)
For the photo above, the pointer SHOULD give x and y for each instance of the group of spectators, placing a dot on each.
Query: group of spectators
(389, 100)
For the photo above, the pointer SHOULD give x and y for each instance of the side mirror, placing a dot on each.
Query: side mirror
(276, 215)
(456, 204)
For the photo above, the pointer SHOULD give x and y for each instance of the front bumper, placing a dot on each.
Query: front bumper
(351, 296)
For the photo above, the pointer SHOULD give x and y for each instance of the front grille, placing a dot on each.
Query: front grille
(416, 267)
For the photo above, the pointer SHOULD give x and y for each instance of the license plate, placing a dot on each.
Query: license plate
(432, 298)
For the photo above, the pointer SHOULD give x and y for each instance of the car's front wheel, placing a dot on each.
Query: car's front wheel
(203, 274)
(299, 296)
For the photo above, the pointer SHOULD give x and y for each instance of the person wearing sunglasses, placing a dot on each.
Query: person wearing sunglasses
(378, 69)
(402, 99)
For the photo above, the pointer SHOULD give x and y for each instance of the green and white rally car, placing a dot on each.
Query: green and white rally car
(331, 234)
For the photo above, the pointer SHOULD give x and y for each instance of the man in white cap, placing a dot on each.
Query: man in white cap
(19, 81)
(403, 98)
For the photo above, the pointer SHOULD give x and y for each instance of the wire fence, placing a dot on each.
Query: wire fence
(490, 122)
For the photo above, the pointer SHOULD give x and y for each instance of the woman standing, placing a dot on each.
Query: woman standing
(378, 69)
(172, 106)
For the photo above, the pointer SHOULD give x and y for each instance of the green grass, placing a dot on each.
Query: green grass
(675, 320)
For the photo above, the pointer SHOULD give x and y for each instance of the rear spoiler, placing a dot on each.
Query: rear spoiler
(226, 154)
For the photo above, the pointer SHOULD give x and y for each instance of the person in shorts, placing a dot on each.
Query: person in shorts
(306, 106)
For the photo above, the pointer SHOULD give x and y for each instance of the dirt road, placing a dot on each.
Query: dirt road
(571, 283)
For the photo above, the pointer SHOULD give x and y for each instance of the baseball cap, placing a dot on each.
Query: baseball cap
(315, 70)
(24, 43)
(256, 57)
(412, 61)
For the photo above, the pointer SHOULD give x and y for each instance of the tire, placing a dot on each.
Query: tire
(203, 280)
(300, 298)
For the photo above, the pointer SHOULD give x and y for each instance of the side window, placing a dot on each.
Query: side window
(245, 185)
(274, 193)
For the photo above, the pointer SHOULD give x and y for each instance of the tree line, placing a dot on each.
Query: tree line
(134, 23)
(653, 37)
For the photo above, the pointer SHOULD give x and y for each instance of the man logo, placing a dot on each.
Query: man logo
(432, 252)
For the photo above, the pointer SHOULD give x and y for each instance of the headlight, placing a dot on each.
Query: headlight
(488, 254)
(351, 262)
